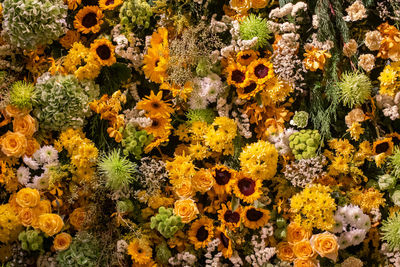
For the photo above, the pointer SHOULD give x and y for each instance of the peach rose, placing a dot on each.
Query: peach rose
(202, 181)
(186, 208)
(77, 218)
(62, 241)
(26, 125)
(15, 112)
(50, 223)
(305, 263)
(303, 249)
(28, 197)
(285, 252)
(325, 245)
(296, 233)
(13, 144)
(26, 216)
(33, 145)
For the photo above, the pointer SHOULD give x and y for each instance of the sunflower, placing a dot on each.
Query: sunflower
(384, 145)
(245, 57)
(249, 89)
(103, 50)
(254, 218)
(395, 138)
(223, 179)
(153, 104)
(225, 244)
(156, 64)
(159, 127)
(236, 73)
(109, 4)
(230, 218)
(88, 19)
(201, 232)
(261, 70)
(140, 251)
(247, 189)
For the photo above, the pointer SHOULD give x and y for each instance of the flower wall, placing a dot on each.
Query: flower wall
(199, 133)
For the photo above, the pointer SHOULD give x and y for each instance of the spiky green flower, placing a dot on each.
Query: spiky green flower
(21, 94)
(391, 231)
(394, 162)
(206, 115)
(255, 26)
(118, 170)
(355, 88)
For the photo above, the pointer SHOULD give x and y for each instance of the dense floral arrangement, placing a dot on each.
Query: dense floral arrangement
(199, 133)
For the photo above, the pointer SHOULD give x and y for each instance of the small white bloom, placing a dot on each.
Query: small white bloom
(23, 175)
(31, 163)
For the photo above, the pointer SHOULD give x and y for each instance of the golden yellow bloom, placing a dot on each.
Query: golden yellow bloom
(305, 263)
(201, 232)
(109, 4)
(254, 218)
(13, 144)
(62, 241)
(285, 252)
(246, 188)
(178, 91)
(229, 218)
(26, 216)
(245, 57)
(156, 61)
(303, 249)
(296, 233)
(355, 130)
(26, 125)
(28, 197)
(140, 251)
(88, 19)
(225, 245)
(78, 218)
(240, 6)
(186, 209)
(261, 70)
(15, 112)
(69, 38)
(390, 45)
(50, 223)
(259, 3)
(103, 50)
(325, 245)
(236, 74)
(73, 4)
(202, 181)
(154, 105)
(315, 59)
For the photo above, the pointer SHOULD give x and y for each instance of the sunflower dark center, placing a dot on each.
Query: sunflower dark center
(155, 123)
(238, 76)
(247, 56)
(261, 71)
(231, 217)
(222, 177)
(202, 234)
(156, 63)
(103, 51)
(382, 147)
(109, 2)
(89, 20)
(224, 240)
(250, 88)
(155, 105)
(247, 186)
(253, 215)
(140, 250)
(395, 140)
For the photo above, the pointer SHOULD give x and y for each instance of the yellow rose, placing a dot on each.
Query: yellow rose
(77, 218)
(13, 144)
(62, 241)
(305, 263)
(50, 223)
(32, 146)
(303, 249)
(69, 38)
(44, 206)
(25, 125)
(15, 112)
(325, 245)
(259, 3)
(202, 181)
(240, 6)
(185, 190)
(26, 216)
(186, 208)
(28, 197)
(296, 233)
(285, 252)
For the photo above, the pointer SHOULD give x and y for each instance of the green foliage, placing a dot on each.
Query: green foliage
(111, 78)
(31, 240)
(355, 88)
(135, 14)
(305, 143)
(118, 171)
(62, 101)
(255, 26)
(21, 94)
(394, 162)
(166, 222)
(32, 23)
(163, 253)
(300, 119)
(206, 115)
(391, 231)
(125, 206)
(134, 141)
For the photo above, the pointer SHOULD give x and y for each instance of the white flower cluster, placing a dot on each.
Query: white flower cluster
(392, 256)
(288, 9)
(352, 225)
(205, 91)
(213, 260)
(262, 254)
(389, 105)
(281, 141)
(137, 118)
(41, 161)
(184, 259)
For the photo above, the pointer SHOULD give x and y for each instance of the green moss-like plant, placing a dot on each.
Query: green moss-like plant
(206, 115)
(305, 143)
(135, 13)
(134, 141)
(394, 162)
(166, 222)
(355, 88)
(255, 26)
(31, 240)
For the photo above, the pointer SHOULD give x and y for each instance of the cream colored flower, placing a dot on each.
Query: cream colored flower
(373, 40)
(356, 11)
(367, 62)
(350, 48)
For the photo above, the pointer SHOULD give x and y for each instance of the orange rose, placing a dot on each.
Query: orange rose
(33, 145)
(43, 207)
(296, 233)
(78, 218)
(15, 112)
(303, 249)
(13, 144)
(305, 263)
(202, 181)
(325, 245)
(240, 6)
(185, 190)
(69, 38)
(25, 125)
(50, 223)
(285, 252)
(186, 208)
(62, 241)
(259, 3)
(26, 216)
(28, 197)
